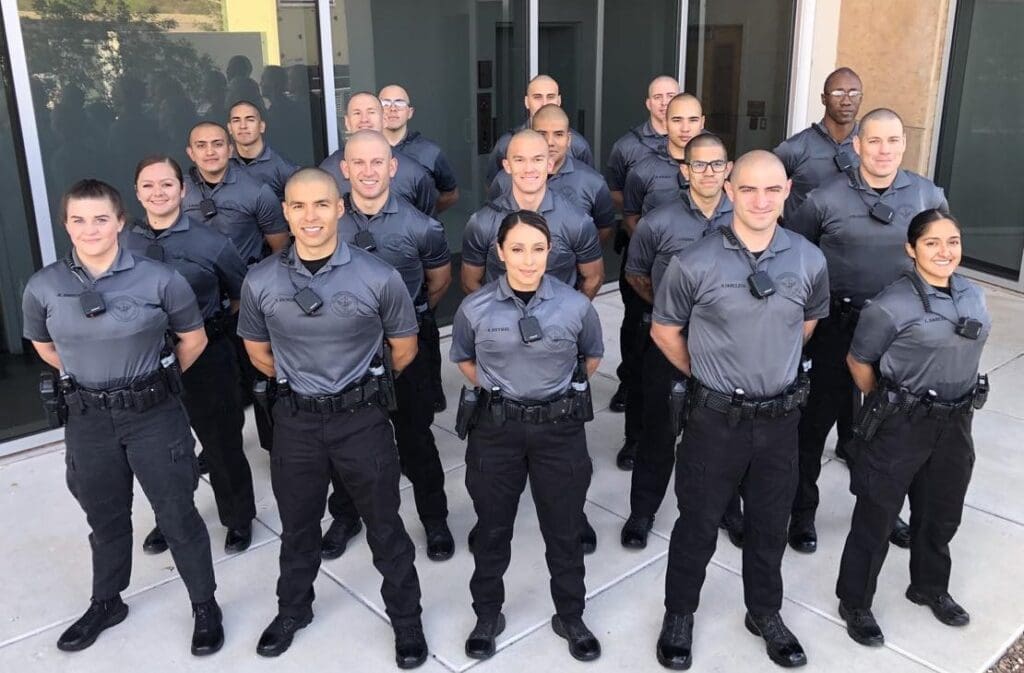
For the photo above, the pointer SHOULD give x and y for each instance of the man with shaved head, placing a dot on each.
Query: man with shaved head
(860, 222)
(385, 225)
(580, 184)
(732, 313)
(315, 320)
(398, 110)
(542, 90)
(824, 150)
(412, 182)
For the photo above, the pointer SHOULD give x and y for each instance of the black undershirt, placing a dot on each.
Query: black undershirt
(314, 265)
(948, 290)
(211, 185)
(525, 295)
(757, 255)
(245, 160)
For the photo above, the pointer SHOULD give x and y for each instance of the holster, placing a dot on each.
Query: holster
(264, 393)
(980, 394)
(621, 239)
(879, 405)
(171, 367)
(582, 400)
(386, 382)
(678, 404)
(53, 400)
(283, 393)
(466, 415)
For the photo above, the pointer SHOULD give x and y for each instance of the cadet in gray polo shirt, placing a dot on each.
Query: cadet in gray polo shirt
(819, 153)
(252, 154)
(398, 110)
(415, 245)
(209, 262)
(749, 297)
(925, 334)
(542, 90)
(412, 181)
(100, 316)
(575, 257)
(316, 318)
(660, 235)
(527, 343)
(860, 223)
(580, 184)
(224, 197)
(657, 179)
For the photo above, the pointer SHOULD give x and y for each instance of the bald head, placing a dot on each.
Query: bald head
(542, 90)
(523, 139)
(394, 91)
(366, 138)
(311, 178)
(687, 99)
(550, 114)
(757, 161)
(844, 75)
(882, 114)
(758, 188)
(662, 83)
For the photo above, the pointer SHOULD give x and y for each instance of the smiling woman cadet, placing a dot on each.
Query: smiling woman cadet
(915, 354)
(99, 316)
(527, 343)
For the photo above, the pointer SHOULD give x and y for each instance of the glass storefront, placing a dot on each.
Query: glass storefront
(981, 149)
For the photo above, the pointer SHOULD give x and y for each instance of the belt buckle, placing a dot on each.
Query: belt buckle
(531, 413)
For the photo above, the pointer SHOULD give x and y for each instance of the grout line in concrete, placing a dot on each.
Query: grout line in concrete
(1016, 357)
(1002, 649)
(1001, 517)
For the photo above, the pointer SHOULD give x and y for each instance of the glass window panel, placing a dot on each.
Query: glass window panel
(116, 80)
(21, 412)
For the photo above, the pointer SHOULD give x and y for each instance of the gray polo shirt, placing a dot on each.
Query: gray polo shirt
(144, 299)
(573, 236)
(639, 143)
(652, 182)
(667, 230)
(486, 331)
(247, 210)
(920, 350)
(864, 255)
(268, 167)
(735, 339)
(204, 257)
(412, 182)
(579, 149)
(429, 155)
(580, 184)
(810, 160)
(364, 302)
(404, 237)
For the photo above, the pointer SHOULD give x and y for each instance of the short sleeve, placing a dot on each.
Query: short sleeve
(674, 299)
(463, 338)
(396, 310)
(643, 248)
(818, 302)
(633, 194)
(433, 245)
(807, 219)
(587, 245)
(581, 149)
(444, 176)
(500, 185)
(603, 210)
(474, 245)
(285, 170)
(269, 214)
(787, 154)
(426, 199)
(591, 340)
(230, 270)
(615, 169)
(179, 302)
(33, 313)
(876, 330)
(252, 324)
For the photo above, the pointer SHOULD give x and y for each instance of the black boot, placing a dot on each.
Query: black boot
(480, 643)
(900, 535)
(675, 644)
(410, 646)
(100, 616)
(337, 537)
(635, 531)
(782, 646)
(440, 544)
(277, 637)
(803, 537)
(583, 645)
(238, 539)
(945, 609)
(588, 538)
(155, 543)
(861, 625)
(625, 459)
(208, 634)
(618, 402)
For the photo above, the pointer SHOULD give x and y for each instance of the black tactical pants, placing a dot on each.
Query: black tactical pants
(417, 450)
(499, 458)
(927, 458)
(246, 375)
(632, 334)
(215, 411)
(105, 449)
(759, 457)
(830, 403)
(655, 454)
(359, 446)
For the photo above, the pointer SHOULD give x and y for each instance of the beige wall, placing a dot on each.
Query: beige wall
(897, 46)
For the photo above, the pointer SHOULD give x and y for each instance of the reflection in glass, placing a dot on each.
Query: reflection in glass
(114, 80)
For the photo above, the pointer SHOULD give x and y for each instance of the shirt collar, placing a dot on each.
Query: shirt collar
(505, 290)
(902, 180)
(647, 130)
(780, 241)
(181, 224)
(507, 202)
(848, 140)
(567, 166)
(122, 262)
(342, 255)
(390, 206)
(724, 205)
(956, 285)
(230, 175)
(406, 139)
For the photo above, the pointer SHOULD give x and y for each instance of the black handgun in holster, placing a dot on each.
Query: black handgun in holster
(171, 367)
(264, 393)
(735, 414)
(283, 394)
(496, 406)
(678, 405)
(382, 370)
(879, 405)
(53, 400)
(802, 391)
(582, 400)
(980, 394)
(466, 415)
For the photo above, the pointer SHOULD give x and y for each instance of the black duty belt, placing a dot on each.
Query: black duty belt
(354, 397)
(775, 407)
(141, 394)
(903, 401)
(533, 413)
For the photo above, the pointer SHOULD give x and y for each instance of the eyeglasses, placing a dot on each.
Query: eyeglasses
(394, 102)
(839, 94)
(717, 166)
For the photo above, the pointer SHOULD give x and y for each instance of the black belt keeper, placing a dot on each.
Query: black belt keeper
(140, 395)
(537, 413)
(356, 397)
(774, 407)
